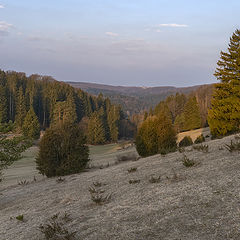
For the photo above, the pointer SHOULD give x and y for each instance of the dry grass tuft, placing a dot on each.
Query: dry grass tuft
(187, 162)
(153, 179)
(202, 148)
(132, 169)
(55, 228)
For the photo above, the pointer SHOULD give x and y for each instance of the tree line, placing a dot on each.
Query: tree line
(37, 102)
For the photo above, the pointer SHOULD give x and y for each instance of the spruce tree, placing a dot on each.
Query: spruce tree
(224, 115)
(31, 127)
(3, 105)
(21, 108)
(96, 130)
(192, 117)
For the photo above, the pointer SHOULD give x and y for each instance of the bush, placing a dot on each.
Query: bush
(156, 135)
(186, 141)
(199, 139)
(62, 151)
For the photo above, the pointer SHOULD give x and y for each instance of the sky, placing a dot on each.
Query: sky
(124, 42)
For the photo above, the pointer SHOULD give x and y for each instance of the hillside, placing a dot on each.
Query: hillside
(133, 99)
(199, 202)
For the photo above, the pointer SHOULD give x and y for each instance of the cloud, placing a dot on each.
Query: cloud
(4, 28)
(172, 25)
(112, 34)
(1, 6)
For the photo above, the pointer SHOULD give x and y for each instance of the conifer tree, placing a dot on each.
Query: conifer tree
(20, 109)
(224, 115)
(62, 150)
(96, 130)
(156, 135)
(3, 105)
(31, 127)
(192, 117)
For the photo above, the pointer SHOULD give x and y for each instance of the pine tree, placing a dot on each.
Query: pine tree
(192, 117)
(31, 127)
(96, 130)
(224, 115)
(20, 108)
(3, 105)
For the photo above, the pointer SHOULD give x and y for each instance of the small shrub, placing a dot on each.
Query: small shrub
(133, 169)
(54, 229)
(127, 157)
(220, 148)
(62, 151)
(20, 218)
(97, 184)
(153, 179)
(201, 147)
(181, 149)
(233, 146)
(199, 139)
(134, 181)
(99, 198)
(174, 177)
(187, 162)
(97, 194)
(23, 182)
(60, 180)
(186, 141)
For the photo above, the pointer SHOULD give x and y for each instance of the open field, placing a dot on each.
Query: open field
(199, 202)
(25, 168)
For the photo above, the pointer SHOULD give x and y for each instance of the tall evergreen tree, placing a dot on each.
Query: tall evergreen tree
(20, 108)
(96, 130)
(192, 117)
(224, 115)
(3, 105)
(31, 127)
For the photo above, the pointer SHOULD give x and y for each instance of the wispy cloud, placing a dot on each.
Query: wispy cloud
(172, 25)
(112, 34)
(1, 6)
(4, 28)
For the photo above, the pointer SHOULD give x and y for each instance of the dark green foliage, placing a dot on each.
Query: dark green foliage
(62, 151)
(30, 125)
(54, 102)
(3, 105)
(199, 139)
(11, 149)
(21, 108)
(224, 117)
(20, 218)
(156, 135)
(186, 141)
(7, 127)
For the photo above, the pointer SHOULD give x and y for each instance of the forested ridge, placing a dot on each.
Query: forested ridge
(23, 99)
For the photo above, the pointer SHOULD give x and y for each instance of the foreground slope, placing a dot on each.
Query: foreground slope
(200, 202)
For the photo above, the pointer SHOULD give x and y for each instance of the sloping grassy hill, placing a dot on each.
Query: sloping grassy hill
(199, 202)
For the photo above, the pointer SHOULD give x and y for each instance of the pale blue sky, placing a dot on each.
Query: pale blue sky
(124, 42)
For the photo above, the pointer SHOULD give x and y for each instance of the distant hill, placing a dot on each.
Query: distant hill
(133, 99)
